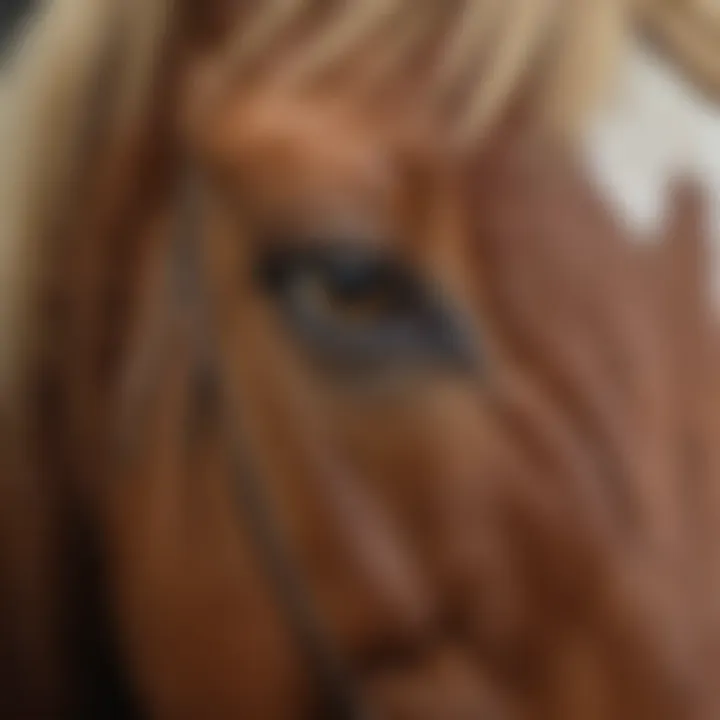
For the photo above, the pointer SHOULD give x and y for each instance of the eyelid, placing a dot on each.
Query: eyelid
(283, 257)
(335, 230)
(432, 331)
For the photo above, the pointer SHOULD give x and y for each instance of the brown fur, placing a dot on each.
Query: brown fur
(539, 544)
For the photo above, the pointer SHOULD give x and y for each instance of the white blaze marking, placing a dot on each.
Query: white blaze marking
(656, 127)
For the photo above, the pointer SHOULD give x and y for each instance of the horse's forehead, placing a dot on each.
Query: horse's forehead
(316, 159)
(319, 134)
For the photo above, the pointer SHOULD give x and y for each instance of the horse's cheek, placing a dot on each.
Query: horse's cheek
(200, 629)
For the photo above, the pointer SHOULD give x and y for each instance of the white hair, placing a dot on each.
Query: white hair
(47, 85)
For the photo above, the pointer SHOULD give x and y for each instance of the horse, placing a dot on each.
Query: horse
(330, 383)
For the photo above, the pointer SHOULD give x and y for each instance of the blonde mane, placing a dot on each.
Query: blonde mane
(47, 87)
(486, 49)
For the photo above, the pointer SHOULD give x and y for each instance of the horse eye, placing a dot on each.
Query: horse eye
(349, 291)
(358, 308)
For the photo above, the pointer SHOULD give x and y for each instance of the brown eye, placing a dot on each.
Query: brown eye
(352, 290)
(356, 307)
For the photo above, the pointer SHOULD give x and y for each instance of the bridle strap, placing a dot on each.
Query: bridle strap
(341, 698)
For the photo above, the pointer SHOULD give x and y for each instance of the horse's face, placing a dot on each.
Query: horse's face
(429, 383)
